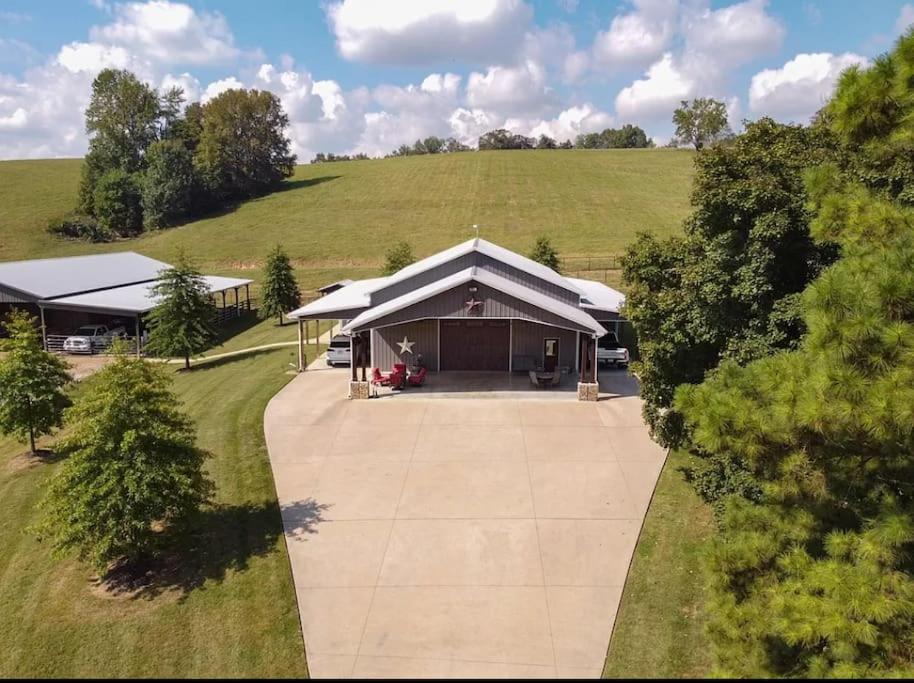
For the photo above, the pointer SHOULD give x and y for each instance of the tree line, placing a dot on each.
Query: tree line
(777, 345)
(154, 162)
(627, 137)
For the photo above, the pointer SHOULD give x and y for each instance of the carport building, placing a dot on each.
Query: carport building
(100, 289)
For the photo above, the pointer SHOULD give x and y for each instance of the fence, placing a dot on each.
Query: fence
(604, 268)
(232, 311)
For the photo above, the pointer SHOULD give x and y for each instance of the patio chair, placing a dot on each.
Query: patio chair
(398, 376)
(417, 379)
(379, 379)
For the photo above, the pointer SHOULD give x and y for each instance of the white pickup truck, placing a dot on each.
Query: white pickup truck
(91, 338)
(611, 352)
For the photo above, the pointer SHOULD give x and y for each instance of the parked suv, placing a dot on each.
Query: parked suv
(339, 351)
(91, 338)
(611, 352)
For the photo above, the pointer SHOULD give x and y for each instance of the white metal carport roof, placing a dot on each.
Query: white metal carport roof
(56, 277)
(131, 299)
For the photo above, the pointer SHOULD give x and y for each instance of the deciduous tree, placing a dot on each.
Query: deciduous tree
(168, 183)
(243, 150)
(32, 381)
(701, 121)
(133, 473)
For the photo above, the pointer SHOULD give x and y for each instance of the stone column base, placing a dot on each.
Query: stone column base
(359, 390)
(588, 391)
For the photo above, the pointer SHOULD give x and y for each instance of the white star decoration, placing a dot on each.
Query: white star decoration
(406, 346)
(472, 303)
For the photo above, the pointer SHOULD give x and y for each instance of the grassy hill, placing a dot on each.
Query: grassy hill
(337, 219)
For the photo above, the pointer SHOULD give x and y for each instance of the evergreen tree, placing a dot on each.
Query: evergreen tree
(133, 469)
(543, 252)
(815, 580)
(182, 324)
(32, 382)
(398, 257)
(280, 292)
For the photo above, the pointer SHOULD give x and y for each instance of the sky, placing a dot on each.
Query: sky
(370, 75)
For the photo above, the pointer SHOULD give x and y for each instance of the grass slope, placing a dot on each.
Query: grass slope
(338, 219)
(659, 631)
(230, 611)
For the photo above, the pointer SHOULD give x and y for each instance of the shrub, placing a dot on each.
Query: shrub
(79, 226)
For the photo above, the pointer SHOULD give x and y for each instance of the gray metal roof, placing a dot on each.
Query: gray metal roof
(515, 289)
(55, 277)
(132, 299)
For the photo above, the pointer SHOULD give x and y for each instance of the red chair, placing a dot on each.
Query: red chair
(378, 379)
(398, 376)
(417, 379)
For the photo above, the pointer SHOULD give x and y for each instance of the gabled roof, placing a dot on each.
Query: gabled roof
(351, 297)
(53, 277)
(598, 296)
(492, 250)
(518, 291)
(136, 298)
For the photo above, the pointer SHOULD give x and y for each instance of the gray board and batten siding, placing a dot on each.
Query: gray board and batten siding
(483, 262)
(495, 304)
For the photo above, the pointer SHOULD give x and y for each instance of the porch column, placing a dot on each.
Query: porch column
(138, 343)
(301, 347)
(593, 359)
(44, 330)
(352, 358)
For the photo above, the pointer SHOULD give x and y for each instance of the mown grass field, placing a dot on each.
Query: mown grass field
(659, 631)
(336, 220)
(229, 612)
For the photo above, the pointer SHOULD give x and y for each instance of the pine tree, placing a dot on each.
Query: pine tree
(32, 381)
(182, 324)
(133, 470)
(543, 252)
(280, 292)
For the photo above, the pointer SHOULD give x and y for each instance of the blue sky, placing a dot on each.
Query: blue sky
(366, 75)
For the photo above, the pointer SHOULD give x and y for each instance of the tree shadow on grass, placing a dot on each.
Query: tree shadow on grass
(305, 182)
(221, 539)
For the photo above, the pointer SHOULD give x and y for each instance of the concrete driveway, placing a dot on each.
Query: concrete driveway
(458, 537)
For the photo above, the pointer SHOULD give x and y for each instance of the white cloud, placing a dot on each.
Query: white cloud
(658, 93)
(905, 18)
(170, 33)
(572, 122)
(188, 83)
(216, 88)
(468, 124)
(638, 37)
(799, 88)
(512, 90)
(93, 57)
(734, 34)
(428, 31)
(17, 119)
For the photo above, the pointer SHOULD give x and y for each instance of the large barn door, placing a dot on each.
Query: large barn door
(475, 344)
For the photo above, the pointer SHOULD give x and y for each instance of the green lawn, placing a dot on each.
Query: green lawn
(249, 331)
(230, 611)
(659, 630)
(336, 220)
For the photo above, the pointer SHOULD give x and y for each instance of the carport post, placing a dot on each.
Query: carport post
(138, 342)
(44, 330)
(301, 346)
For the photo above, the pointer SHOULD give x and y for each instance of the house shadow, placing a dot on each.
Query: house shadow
(203, 363)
